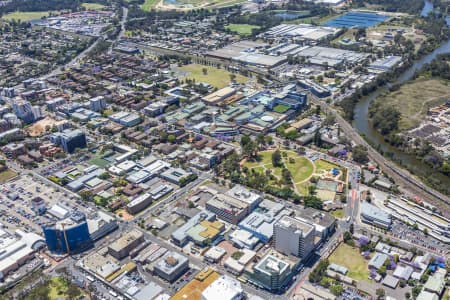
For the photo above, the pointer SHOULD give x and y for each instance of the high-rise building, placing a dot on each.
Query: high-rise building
(293, 237)
(69, 140)
(70, 235)
(97, 103)
(23, 110)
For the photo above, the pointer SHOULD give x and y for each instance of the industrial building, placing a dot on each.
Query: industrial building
(171, 266)
(70, 235)
(301, 32)
(332, 57)
(293, 237)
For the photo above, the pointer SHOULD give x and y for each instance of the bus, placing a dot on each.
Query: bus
(112, 293)
(90, 278)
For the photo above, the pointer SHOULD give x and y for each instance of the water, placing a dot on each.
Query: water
(289, 15)
(361, 121)
(427, 8)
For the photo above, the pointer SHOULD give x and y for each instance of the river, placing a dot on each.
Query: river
(362, 124)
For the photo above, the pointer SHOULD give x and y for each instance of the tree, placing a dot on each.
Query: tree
(380, 293)
(351, 228)
(204, 71)
(287, 176)
(360, 154)
(86, 195)
(337, 289)
(312, 201)
(232, 77)
(276, 159)
(407, 295)
(382, 271)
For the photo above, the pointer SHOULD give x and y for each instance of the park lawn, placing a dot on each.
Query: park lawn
(280, 108)
(301, 170)
(218, 78)
(7, 175)
(242, 29)
(338, 213)
(350, 258)
(149, 4)
(93, 6)
(302, 188)
(414, 98)
(324, 166)
(25, 16)
(58, 289)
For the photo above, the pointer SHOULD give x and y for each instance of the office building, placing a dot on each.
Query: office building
(180, 236)
(224, 288)
(97, 104)
(69, 140)
(70, 235)
(171, 266)
(101, 224)
(23, 110)
(293, 237)
(121, 247)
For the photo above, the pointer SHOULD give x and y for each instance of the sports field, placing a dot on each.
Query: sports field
(242, 29)
(93, 6)
(148, 5)
(7, 175)
(414, 98)
(350, 258)
(25, 16)
(216, 77)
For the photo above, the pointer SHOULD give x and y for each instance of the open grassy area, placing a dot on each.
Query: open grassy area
(414, 98)
(324, 166)
(148, 5)
(93, 6)
(337, 213)
(25, 16)
(280, 108)
(99, 162)
(7, 175)
(216, 77)
(242, 29)
(350, 258)
(301, 169)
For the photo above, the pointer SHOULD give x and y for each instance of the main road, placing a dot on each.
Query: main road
(406, 181)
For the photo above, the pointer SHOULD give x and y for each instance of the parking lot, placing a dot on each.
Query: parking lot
(16, 199)
(404, 232)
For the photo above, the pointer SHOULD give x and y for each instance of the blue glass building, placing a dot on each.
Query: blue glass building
(74, 229)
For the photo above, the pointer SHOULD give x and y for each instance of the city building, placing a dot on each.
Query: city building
(171, 266)
(375, 216)
(121, 247)
(224, 288)
(70, 235)
(97, 104)
(273, 272)
(69, 139)
(261, 221)
(176, 175)
(378, 260)
(180, 236)
(101, 224)
(139, 203)
(293, 237)
(243, 239)
(205, 232)
(194, 288)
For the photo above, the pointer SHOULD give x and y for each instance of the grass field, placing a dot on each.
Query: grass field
(25, 15)
(301, 169)
(216, 77)
(148, 5)
(413, 99)
(242, 29)
(280, 108)
(7, 175)
(337, 213)
(324, 166)
(350, 258)
(99, 162)
(93, 6)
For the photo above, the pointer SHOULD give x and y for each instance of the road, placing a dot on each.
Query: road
(406, 181)
(122, 29)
